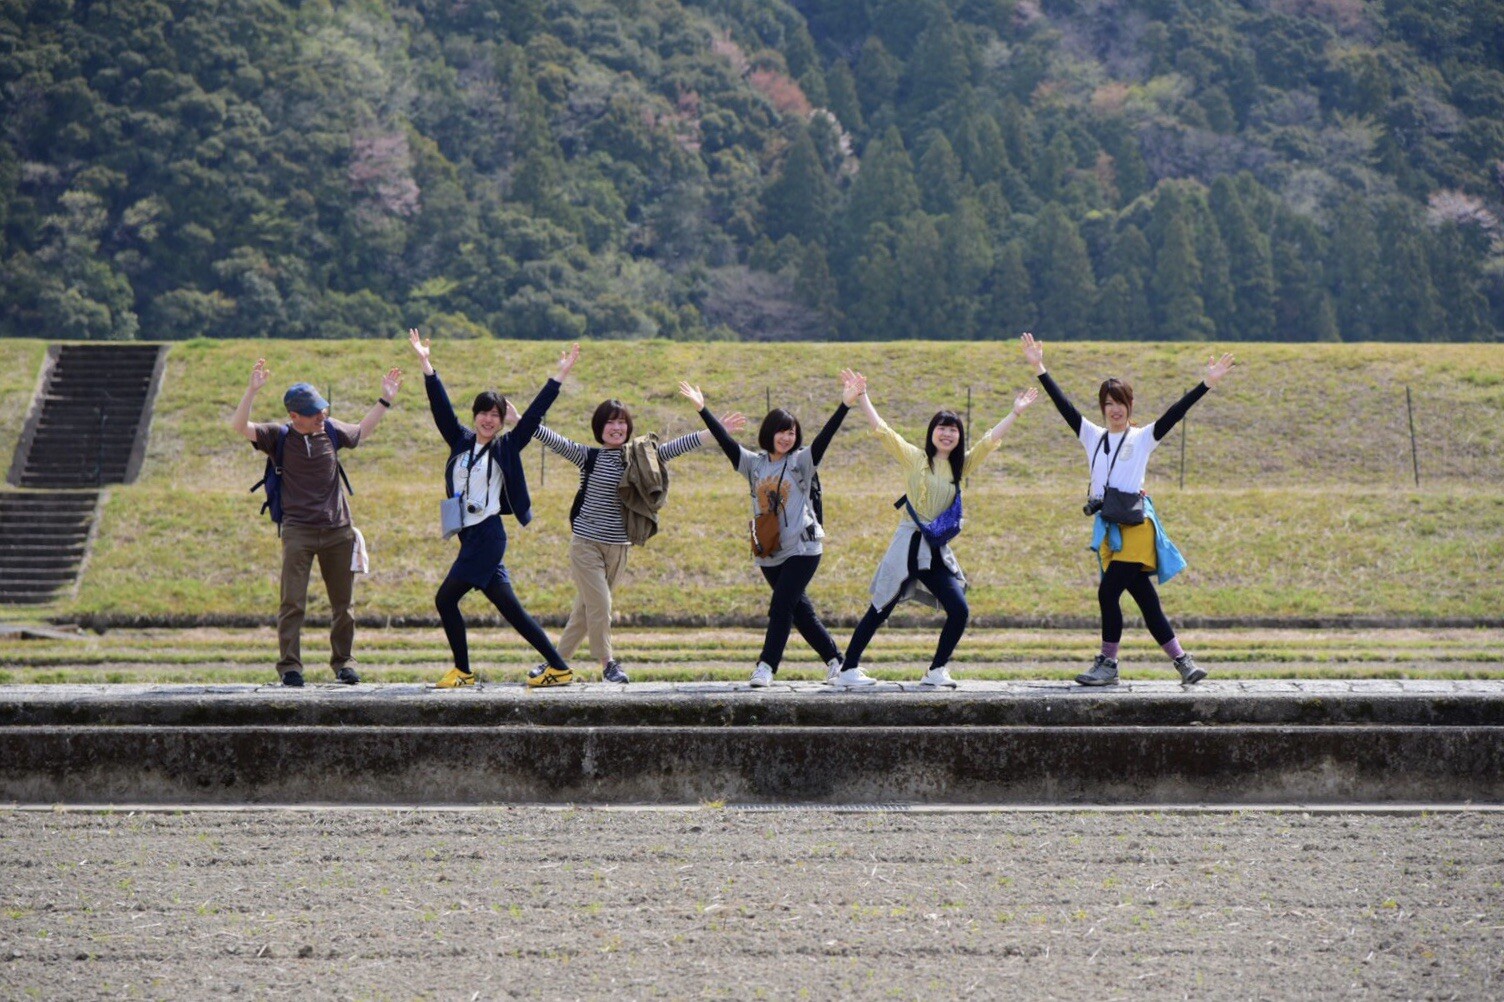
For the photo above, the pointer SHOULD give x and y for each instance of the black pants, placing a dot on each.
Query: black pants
(1138, 582)
(499, 591)
(942, 584)
(791, 607)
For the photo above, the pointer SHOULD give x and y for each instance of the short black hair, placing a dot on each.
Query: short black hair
(778, 420)
(487, 400)
(610, 410)
(1117, 389)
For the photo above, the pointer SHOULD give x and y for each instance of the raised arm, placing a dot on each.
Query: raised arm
(240, 421)
(1020, 404)
(390, 384)
(439, 406)
(851, 388)
(1034, 355)
(570, 450)
(1216, 368)
(859, 384)
(532, 418)
(728, 444)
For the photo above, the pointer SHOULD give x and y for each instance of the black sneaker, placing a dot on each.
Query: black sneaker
(1190, 671)
(293, 678)
(614, 672)
(347, 676)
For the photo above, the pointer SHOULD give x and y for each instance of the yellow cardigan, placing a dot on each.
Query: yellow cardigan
(929, 491)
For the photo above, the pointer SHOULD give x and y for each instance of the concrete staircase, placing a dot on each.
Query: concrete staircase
(87, 428)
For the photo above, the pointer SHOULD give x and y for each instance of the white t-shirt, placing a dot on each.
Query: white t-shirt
(1137, 445)
(482, 496)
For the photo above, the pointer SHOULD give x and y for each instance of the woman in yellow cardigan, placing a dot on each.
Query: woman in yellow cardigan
(919, 563)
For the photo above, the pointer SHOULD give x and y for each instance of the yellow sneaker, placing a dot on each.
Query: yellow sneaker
(550, 676)
(455, 679)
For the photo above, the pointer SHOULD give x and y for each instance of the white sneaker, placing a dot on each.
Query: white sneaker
(853, 678)
(937, 678)
(762, 676)
(832, 669)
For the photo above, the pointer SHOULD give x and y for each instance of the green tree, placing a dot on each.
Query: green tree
(1249, 262)
(1175, 289)
(939, 176)
(800, 200)
(1064, 286)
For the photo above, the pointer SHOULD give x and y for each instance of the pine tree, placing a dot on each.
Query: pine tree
(1355, 271)
(877, 76)
(1175, 289)
(1250, 265)
(1013, 303)
(939, 176)
(800, 200)
(1302, 308)
(939, 68)
(844, 103)
(884, 192)
(923, 292)
(1065, 288)
(1130, 260)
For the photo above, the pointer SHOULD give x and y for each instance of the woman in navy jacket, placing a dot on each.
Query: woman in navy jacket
(485, 472)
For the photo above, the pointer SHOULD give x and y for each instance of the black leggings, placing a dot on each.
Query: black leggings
(791, 607)
(499, 591)
(942, 584)
(1138, 582)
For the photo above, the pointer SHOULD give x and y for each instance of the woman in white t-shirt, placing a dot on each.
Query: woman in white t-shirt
(1130, 555)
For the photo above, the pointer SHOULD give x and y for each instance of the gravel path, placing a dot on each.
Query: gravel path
(714, 903)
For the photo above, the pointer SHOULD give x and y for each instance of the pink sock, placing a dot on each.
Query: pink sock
(1109, 650)
(1173, 648)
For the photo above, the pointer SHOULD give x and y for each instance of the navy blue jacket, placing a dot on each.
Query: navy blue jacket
(506, 449)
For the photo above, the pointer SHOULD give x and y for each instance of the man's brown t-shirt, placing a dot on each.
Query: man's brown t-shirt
(311, 491)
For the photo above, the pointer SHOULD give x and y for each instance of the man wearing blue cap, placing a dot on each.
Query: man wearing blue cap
(315, 514)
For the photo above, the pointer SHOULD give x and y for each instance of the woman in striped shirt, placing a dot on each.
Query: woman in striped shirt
(599, 545)
(915, 567)
(781, 476)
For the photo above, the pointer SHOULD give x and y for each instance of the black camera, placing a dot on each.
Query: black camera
(476, 509)
(1091, 507)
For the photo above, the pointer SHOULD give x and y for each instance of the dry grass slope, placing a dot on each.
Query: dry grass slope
(1298, 498)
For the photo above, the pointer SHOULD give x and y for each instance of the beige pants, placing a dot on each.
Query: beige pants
(332, 547)
(594, 568)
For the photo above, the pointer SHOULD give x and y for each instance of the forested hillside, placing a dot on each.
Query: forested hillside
(756, 169)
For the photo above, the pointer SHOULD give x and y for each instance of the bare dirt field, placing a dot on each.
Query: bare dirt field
(725, 903)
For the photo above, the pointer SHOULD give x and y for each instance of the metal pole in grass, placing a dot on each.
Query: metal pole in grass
(767, 393)
(968, 423)
(1414, 455)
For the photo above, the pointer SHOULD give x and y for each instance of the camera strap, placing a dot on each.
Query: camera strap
(470, 468)
(1107, 447)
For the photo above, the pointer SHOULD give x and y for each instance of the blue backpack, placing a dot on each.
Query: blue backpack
(271, 479)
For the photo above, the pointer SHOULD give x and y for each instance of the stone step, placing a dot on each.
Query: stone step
(397, 744)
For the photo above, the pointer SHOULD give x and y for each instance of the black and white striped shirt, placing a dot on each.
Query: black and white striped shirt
(600, 518)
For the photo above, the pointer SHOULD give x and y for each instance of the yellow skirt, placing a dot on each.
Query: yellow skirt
(1138, 547)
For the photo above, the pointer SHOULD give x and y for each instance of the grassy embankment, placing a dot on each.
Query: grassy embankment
(1298, 503)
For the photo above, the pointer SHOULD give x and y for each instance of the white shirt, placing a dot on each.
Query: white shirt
(1132, 462)
(484, 494)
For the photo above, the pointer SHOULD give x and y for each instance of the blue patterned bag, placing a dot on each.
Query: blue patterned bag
(943, 527)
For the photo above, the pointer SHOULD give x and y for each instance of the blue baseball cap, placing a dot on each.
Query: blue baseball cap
(302, 398)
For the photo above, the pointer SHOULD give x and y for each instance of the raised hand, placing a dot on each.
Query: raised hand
(693, 395)
(421, 346)
(567, 360)
(391, 383)
(1024, 399)
(853, 385)
(259, 375)
(512, 416)
(1216, 368)
(734, 422)
(1033, 351)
